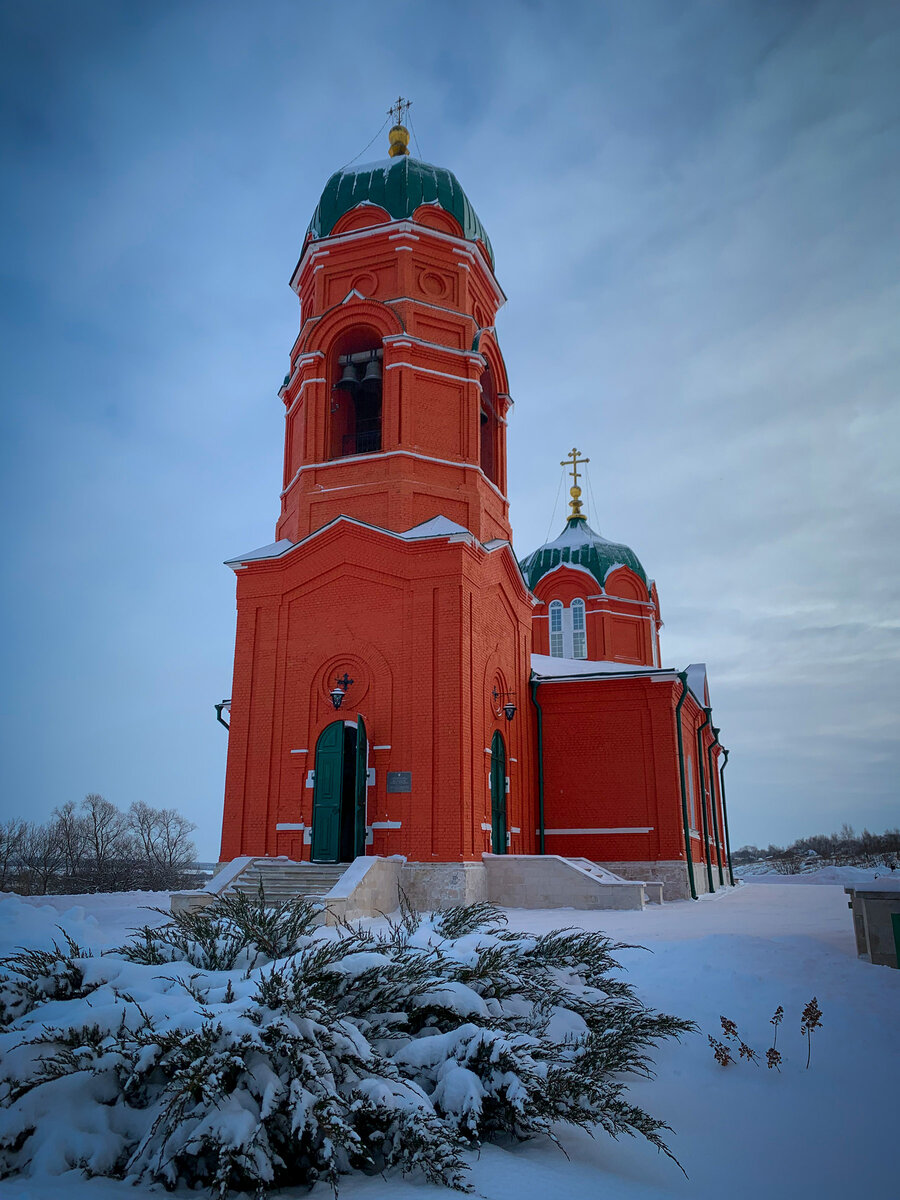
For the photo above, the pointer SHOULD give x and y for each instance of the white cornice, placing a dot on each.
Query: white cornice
(351, 458)
(284, 548)
(322, 246)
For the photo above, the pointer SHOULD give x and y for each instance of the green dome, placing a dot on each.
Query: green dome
(398, 185)
(579, 546)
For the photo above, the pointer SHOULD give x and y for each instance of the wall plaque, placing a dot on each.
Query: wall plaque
(399, 781)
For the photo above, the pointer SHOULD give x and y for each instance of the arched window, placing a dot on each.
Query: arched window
(356, 396)
(568, 630)
(489, 426)
(556, 629)
(579, 630)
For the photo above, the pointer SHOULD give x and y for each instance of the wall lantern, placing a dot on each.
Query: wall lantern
(508, 708)
(339, 690)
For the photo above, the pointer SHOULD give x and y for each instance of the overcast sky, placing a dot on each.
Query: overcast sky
(694, 208)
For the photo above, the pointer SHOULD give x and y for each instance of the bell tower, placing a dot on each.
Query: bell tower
(396, 399)
(383, 640)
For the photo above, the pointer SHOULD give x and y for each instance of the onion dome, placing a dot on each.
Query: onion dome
(399, 185)
(579, 546)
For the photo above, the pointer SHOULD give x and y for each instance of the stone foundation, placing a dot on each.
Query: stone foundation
(440, 885)
(673, 875)
(550, 881)
(369, 887)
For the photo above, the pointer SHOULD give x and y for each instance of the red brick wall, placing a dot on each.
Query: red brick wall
(424, 297)
(611, 762)
(424, 629)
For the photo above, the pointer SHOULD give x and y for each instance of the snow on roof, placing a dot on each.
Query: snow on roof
(273, 550)
(696, 681)
(578, 544)
(883, 883)
(564, 668)
(437, 527)
(380, 164)
(576, 534)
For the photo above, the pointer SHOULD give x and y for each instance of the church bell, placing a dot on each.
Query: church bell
(372, 377)
(349, 380)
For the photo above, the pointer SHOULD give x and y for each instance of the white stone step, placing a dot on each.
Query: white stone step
(287, 881)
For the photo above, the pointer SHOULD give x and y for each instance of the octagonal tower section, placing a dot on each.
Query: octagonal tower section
(396, 283)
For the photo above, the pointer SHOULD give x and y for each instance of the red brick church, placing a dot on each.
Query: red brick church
(403, 685)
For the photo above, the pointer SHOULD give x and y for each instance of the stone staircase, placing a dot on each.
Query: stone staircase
(652, 891)
(284, 880)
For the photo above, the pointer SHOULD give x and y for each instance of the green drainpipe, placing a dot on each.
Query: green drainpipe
(725, 813)
(540, 757)
(712, 798)
(226, 705)
(682, 675)
(709, 875)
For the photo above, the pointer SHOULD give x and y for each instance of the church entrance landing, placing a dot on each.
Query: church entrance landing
(339, 799)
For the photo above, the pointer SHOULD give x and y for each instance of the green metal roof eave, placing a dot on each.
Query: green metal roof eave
(399, 186)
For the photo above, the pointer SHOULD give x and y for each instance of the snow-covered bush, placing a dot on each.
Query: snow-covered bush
(243, 1047)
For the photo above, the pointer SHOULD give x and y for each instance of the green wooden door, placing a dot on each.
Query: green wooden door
(326, 822)
(362, 769)
(498, 795)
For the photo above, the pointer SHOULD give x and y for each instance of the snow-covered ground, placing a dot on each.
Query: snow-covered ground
(743, 1131)
(762, 873)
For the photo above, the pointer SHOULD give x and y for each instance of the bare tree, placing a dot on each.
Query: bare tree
(75, 836)
(93, 847)
(110, 845)
(41, 858)
(12, 837)
(166, 848)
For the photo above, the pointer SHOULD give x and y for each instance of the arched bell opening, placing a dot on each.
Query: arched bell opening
(498, 794)
(339, 796)
(356, 394)
(489, 455)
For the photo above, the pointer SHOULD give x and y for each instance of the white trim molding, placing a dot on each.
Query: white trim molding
(641, 829)
(357, 458)
(428, 371)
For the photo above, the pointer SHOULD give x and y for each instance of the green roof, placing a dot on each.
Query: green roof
(580, 546)
(398, 185)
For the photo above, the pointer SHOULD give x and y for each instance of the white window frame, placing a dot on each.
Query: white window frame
(557, 635)
(578, 612)
(565, 640)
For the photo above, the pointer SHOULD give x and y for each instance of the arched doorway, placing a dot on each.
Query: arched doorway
(498, 794)
(339, 798)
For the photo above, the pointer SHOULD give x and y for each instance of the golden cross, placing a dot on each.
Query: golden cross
(573, 459)
(399, 110)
